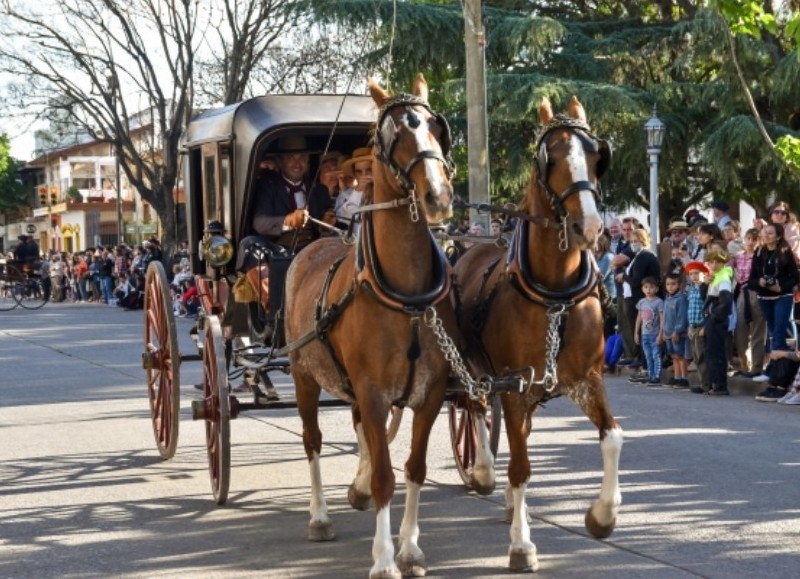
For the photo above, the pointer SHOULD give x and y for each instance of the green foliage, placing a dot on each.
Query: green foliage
(12, 193)
(789, 148)
(746, 16)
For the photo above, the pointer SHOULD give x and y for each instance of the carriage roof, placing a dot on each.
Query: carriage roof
(252, 125)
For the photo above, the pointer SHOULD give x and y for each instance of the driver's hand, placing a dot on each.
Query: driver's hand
(329, 217)
(297, 219)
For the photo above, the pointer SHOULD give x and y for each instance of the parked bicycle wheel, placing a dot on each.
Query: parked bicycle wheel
(33, 292)
(9, 277)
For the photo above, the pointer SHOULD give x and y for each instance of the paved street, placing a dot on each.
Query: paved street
(710, 486)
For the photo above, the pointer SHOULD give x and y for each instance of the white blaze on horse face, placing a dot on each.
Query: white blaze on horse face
(592, 222)
(424, 140)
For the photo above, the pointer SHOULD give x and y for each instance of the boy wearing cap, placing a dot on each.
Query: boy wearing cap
(359, 168)
(696, 290)
(717, 309)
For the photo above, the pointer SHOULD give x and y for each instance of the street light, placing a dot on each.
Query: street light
(655, 131)
(113, 85)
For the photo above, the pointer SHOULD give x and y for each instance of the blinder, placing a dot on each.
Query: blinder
(386, 140)
(590, 143)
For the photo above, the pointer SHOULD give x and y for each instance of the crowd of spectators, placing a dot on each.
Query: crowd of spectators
(111, 276)
(711, 296)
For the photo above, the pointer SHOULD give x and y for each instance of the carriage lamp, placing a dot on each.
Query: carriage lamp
(217, 249)
(655, 131)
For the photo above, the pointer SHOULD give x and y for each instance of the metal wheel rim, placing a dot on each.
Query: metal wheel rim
(161, 345)
(218, 419)
(31, 293)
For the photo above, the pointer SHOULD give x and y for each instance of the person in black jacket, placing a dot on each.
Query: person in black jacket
(644, 263)
(774, 278)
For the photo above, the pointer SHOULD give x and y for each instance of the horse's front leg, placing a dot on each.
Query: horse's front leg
(373, 422)
(521, 551)
(410, 557)
(601, 517)
(320, 527)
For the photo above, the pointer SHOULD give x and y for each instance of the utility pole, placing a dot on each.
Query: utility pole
(477, 123)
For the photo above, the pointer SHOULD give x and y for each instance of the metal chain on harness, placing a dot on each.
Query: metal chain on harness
(552, 344)
(563, 235)
(476, 389)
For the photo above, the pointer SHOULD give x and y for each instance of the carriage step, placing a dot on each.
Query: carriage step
(279, 404)
(191, 357)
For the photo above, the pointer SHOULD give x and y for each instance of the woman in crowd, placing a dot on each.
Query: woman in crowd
(643, 263)
(779, 214)
(773, 276)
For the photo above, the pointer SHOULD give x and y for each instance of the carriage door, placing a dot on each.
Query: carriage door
(216, 175)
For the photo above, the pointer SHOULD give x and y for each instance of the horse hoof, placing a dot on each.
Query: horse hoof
(319, 531)
(523, 561)
(412, 566)
(481, 489)
(597, 530)
(386, 574)
(358, 500)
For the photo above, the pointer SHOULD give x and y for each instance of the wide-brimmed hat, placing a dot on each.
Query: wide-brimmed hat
(697, 266)
(678, 224)
(332, 156)
(23, 237)
(360, 154)
(292, 144)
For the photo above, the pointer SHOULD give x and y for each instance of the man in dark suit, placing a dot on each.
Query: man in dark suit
(284, 201)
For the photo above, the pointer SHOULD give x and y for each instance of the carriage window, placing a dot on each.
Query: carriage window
(211, 207)
(225, 181)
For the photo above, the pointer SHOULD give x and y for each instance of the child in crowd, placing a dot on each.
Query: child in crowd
(675, 329)
(717, 308)
(696, 289)
(647, 330)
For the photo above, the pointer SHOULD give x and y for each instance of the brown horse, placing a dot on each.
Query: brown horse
(538, 307)
(356, 320)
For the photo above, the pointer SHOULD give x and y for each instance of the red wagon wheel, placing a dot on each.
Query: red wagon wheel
(217, 409)
(161, 360)
(464, 435)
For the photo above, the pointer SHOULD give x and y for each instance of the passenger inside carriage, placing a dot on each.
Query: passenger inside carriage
(286, 213)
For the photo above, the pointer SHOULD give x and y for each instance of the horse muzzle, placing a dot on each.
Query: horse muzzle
(438, 203)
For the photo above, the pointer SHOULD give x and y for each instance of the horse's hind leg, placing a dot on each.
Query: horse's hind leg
(320, 527)
(591, 398)
(359, 494)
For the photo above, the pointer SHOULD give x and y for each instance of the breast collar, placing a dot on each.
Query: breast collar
(370, 275)
(518, 268)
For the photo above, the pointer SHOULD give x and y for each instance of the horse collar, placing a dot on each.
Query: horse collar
(370, 276)
(518, 267)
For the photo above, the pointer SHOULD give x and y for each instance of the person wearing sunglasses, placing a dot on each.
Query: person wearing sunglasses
(780, 214)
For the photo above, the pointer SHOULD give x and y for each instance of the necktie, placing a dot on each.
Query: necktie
(296, 191)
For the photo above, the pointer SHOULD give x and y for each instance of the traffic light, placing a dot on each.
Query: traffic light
(43, 195)
(53, 195)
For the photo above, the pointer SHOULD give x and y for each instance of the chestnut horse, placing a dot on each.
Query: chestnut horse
(357, 320)
(538, 307)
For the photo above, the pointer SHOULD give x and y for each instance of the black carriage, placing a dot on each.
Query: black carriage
(222, 149)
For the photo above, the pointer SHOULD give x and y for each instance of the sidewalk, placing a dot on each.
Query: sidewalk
(737, 385)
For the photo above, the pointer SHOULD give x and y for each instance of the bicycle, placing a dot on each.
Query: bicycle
(22, 287)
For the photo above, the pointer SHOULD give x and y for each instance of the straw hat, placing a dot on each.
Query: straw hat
(360, 154)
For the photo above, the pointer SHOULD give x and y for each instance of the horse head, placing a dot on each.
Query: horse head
(570, 161)
(413, 142)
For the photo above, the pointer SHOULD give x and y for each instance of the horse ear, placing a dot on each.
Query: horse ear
(378, 94)
(545, 111)
(420, 87)
(575, 109)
